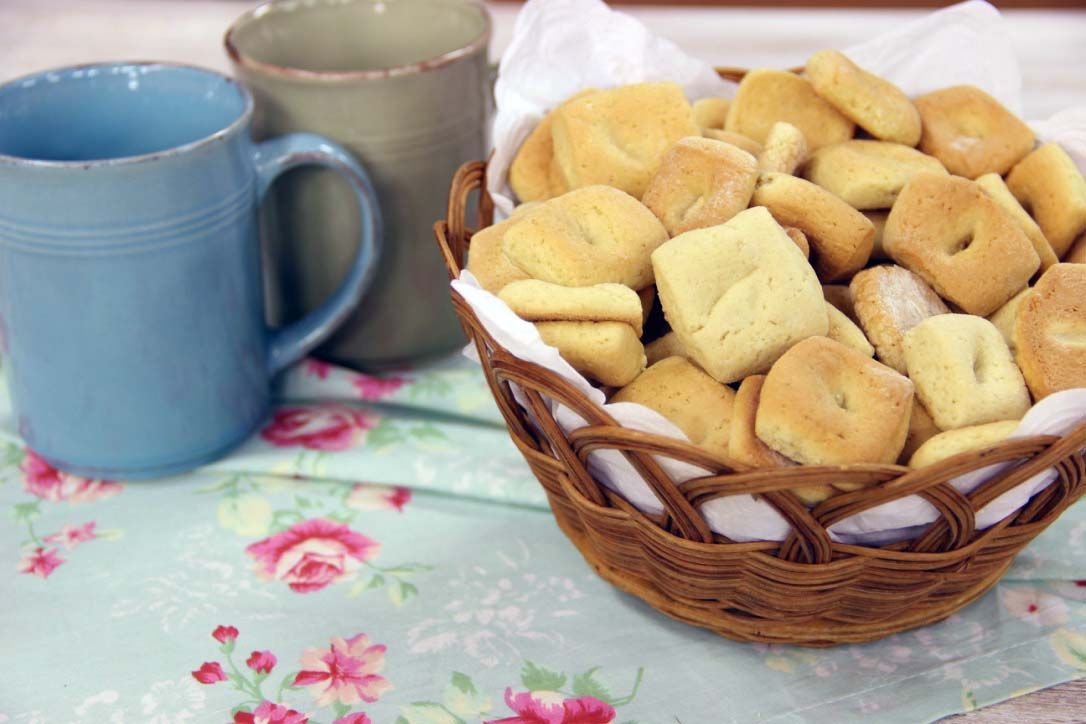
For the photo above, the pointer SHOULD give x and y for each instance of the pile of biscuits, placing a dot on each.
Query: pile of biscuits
(817, 271)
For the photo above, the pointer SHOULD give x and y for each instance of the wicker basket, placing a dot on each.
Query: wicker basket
(806, 590)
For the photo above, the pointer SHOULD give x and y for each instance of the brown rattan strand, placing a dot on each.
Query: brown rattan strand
(808, 589)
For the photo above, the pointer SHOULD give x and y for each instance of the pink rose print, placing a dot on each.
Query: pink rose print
(262, 662)
(40, 562)
(321, 427)
(317, 368)
(553, 708)
(224, 634)
(46, 482)
(72, 535)
(364, 496)
(311, 554)
(210, 672)
(356, 718)
(347, 672)
(270, 713)
(377, 388)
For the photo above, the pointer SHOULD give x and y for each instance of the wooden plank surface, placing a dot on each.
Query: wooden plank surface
(1063, 704)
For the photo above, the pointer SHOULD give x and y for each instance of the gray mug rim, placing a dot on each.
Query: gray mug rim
(242, 60)
(232, 128)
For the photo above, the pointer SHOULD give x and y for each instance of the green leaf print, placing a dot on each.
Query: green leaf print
(586, 685)
(25, 512)
(538, 678)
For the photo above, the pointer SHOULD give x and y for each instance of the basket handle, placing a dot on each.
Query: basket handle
(453, 234)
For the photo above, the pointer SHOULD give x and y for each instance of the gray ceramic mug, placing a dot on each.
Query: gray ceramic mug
(404, 86)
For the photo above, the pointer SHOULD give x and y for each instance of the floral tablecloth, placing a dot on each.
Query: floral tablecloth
(380, 553)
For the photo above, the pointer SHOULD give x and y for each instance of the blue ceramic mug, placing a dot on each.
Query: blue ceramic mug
(131, 291)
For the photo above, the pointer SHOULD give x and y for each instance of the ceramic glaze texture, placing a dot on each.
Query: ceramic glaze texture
(404, 85)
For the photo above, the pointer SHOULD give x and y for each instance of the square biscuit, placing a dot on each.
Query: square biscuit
(766, 96)
(534, 174)
(711, 112)
(867, 174)
(1006, 317)
(1048, 184)
(994, 186)
(488, 262)
(744, 446)
(1050, 331)
(608, 352)
(538, 301)
(738, 295)
(844, 330)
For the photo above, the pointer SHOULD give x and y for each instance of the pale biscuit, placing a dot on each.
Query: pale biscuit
(888, 302)
(970, 132)
(664, 347)
(840, 296)
(766, 96)
(617, 137)
(994, 186)
(488, 262)
(844, 330)
(538, 301)
(785, 149)
(700, 182)
(647, 298)
(711, 112)
(608, 352)
(825, 404)
(951, 233)
(736, 139)
(1049, 186)
(534, 174)
(1077, 255)
(1005, 317)
(867, 174)
(588, 236)
(964, 439)
(799, 239)
(523, 208)
(878, 220)
(839, 235)
(963, 371)
(738, 295)
(873, 103)
(1050, 331)
(698, 405)
(921, 429)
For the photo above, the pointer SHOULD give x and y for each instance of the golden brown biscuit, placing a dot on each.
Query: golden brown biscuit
(698, 405)
(1050, 331)
(711, 112)
(970, 132)
(993, 185)
(664, 347)
(964, 439)
(743, 444)
(592, 235)
(921, 429)
(873, 103)
(839, 235)
(825, 404)
(488, 262)
(700, 182)
(878, 220)
(647, 297)
(608, 352)
(534, 175)
(766, 96)
(951, 233)
(736, 139)
(889, 301)
(840, 296)
(867, 174)
(963, 371)
(844, 330)
(617, 137)
(738, 294)
(799, 239)
(1077, 255)
(538, 301)
(1049, 186)
(785, 149)
(1005, 317)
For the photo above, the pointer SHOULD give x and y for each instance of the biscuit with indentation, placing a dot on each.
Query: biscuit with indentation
(825, 404)
(844, 330)
(738, 295)
(1005, 317)
(970, 132)
(784, 151)
(1050, 331)
(698, 405)
(994, 186)
(743, 444)
(873, 103)
(889, 301)
(700, 182)
(921, 429)
(1049, 186)
(951, 233)
(766, 96)
(488, 262)
(538, 301)
(964, 439)
(608, 352)
(534, 174)
(839, 235)
(867, 174)
(963, 371)
(736, 139)
(711, 112)
(588, 236)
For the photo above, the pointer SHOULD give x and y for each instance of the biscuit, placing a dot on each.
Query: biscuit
(1050, 331)
(799, 239)
(592, 235)
(1050, 187)
(970, 132)
(825, 404)
(766, 96)
(785, 149)
(889, 301)
(608, 352)
(993, 185)
(1077, 254)
(700, 182)
(488, 262)
(743, 444)
(736, 139)
(711, 112)
(840, 296)
(921, 429)
(867, 174)
(964, 439)
(664, 347)
(698, 405)
(874, 104)
(951, 233)
(963, 371)
(844, 330)
(617, 137)
(839, 235)
(534, 174)
(647, 298)
(738, 295)
(1004, 317)
(538, 301)
(524, 207)
(878, 220)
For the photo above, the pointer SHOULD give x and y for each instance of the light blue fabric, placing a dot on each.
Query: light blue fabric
(464, 580)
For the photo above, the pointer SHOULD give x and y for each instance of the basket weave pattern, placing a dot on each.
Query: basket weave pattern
(807, 589)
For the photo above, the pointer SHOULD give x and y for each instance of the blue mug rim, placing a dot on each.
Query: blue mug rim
(233, 127)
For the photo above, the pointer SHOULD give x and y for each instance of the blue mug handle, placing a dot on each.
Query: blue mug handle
(272, 158)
